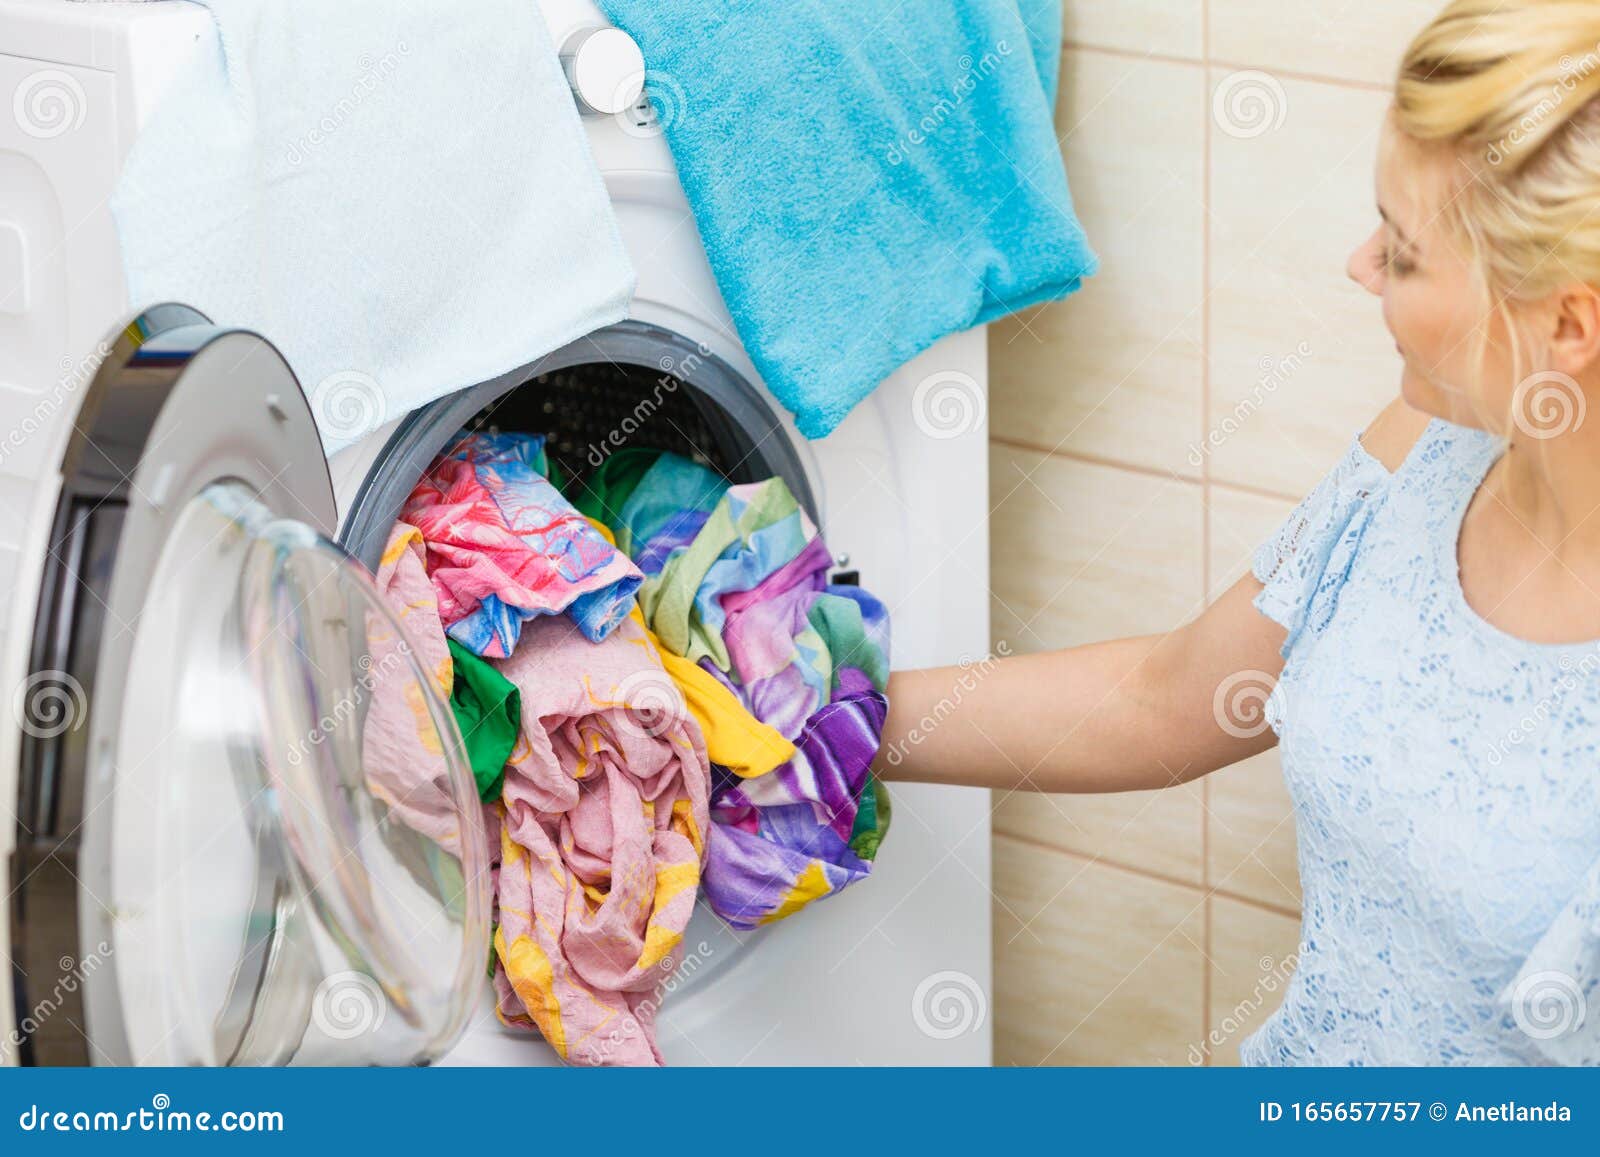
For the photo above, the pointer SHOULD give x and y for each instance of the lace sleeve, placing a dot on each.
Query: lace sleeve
(1293, 563)
(1555, 998)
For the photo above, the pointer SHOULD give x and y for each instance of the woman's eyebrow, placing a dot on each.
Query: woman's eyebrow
(1389, 221)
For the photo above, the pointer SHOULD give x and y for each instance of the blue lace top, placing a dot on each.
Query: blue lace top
(1446, 786)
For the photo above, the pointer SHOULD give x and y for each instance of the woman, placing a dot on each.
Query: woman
(1426, 620)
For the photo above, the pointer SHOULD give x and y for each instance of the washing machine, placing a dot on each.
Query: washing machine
(201, 865)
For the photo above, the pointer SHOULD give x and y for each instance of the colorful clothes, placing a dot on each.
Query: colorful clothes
(488, 710)
(735, 739)
(505, 547)
(401, 742)
(600, 497)
(604, 820)
(739, 584)
(754, 530)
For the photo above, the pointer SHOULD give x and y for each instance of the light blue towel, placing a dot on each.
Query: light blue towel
(398, 193)
(868, 177)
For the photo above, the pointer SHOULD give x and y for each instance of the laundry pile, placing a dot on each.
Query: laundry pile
(662, 695)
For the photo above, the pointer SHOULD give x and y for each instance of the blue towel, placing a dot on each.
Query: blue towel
(398, 193)
(868, 177)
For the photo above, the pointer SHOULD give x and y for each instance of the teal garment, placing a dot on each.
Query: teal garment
(671, 489)
(601, 495)
(752, 531)
(872, 820)
(488, 711)
(839, 626)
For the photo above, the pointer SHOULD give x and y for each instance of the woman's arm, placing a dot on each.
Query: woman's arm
(1119, 716)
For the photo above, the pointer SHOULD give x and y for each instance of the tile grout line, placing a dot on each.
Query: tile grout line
(1206, 62)
(1205, 890)
(1149, 874)
(1086, 459)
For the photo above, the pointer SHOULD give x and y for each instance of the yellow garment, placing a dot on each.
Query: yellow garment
(734, 738)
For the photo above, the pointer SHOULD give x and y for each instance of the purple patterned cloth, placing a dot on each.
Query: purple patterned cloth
(807, 658)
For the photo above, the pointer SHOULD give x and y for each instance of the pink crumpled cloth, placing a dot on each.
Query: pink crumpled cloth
(601, 842)
(504, 546)
(402, 749)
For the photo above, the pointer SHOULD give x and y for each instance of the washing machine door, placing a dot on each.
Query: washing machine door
(247, 829)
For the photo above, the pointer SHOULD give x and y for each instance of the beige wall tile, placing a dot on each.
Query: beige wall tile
(1352, 40)
(1300, 359)
(1115, 369)
(1251, 834)
(1250, 844)
(1084, 552)
(1093, 965)
(1237, 523)
(1158, 831)
(1163, 27)
(1093, 552)
(1252, 958)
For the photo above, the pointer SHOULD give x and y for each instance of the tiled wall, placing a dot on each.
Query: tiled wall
(1147, 434)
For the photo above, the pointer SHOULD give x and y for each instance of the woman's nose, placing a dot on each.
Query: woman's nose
(1365, 266)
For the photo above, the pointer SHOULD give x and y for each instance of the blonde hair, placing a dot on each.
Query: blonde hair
(1506, 88)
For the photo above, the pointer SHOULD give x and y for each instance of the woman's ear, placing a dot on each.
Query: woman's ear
(1575, 344)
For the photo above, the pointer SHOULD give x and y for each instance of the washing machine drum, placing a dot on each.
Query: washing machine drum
(222, 856)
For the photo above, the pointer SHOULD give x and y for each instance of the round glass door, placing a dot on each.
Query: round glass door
(298, 863)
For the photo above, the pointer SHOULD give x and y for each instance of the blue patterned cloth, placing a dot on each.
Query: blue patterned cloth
(1446, 787)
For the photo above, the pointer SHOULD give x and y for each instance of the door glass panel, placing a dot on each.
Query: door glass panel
(299, 858)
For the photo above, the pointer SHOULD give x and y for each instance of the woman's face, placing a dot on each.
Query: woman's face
(1431, 301)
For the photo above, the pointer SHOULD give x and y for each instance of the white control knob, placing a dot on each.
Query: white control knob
(605, 68)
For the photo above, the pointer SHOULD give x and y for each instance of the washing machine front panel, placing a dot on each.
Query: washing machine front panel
(219, 860)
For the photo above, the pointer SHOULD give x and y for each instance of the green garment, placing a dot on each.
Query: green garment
(488, 710)
(602, 495)
(836, 621)
(872, 820)
(673, 488)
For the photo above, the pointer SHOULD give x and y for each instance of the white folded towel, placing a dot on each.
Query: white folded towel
(397, 193)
